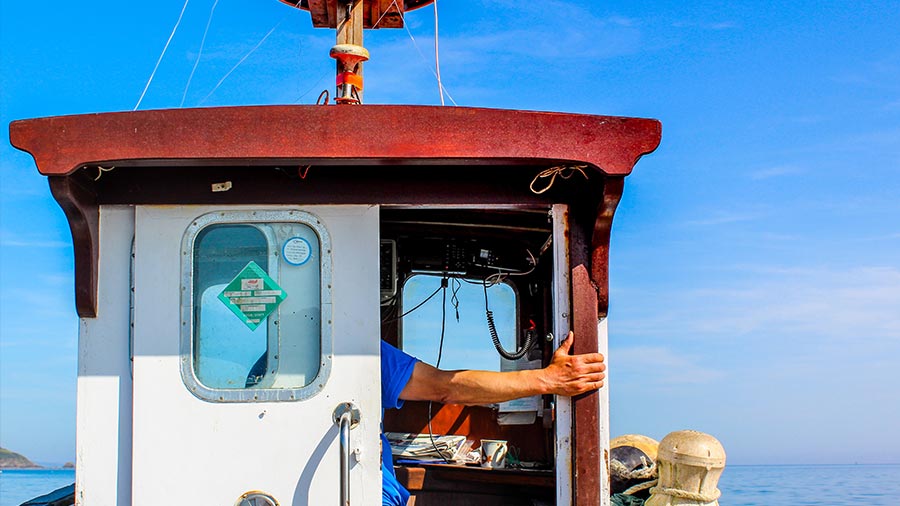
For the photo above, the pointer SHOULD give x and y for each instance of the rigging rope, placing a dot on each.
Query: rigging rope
(199, 53)
(437, 59)
(171, 35)
(238, 64)
(435, 71)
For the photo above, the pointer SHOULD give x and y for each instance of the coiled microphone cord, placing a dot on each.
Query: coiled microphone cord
(492, 328)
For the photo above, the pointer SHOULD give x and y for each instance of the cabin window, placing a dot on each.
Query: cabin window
(257, 331)
(467, 340)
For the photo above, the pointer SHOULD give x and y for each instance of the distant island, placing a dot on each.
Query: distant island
(13, 460)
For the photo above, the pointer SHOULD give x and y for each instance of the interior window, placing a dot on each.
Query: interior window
(467, 340)
(256, 307)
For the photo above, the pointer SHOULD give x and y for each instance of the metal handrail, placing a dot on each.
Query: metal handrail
(346, 416)
(344, 424)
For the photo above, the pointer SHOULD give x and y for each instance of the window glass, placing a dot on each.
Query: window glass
(257, 306)
(226, 349)
(467, 340)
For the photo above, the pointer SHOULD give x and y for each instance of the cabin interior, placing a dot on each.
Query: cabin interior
(504, 257)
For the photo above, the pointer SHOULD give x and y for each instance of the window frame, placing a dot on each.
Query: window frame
(326, 350)
(516, 317)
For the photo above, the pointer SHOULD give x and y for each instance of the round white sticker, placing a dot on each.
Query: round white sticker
(296, 251)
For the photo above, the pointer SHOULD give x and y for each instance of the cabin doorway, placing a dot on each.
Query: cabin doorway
(444, 270)
(253, 328)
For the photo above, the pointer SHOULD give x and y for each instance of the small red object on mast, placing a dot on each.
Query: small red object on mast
(349, 18)
(349, 83)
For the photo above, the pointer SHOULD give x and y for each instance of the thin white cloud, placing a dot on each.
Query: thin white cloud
(661, 366)
(66, 278)
(724, 218)
(12, 240)
(20, 243)
(714, 26)
(821, 304)
(776, 171)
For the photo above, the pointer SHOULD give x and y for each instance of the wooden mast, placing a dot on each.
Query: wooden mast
(349, 51)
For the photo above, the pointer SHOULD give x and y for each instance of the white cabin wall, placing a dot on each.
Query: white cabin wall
(603, 416)
(104, 398)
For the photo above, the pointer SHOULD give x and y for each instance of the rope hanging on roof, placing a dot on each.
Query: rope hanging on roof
(563, 171)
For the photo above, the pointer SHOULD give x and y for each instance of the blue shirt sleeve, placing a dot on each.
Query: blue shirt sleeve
(396, 369)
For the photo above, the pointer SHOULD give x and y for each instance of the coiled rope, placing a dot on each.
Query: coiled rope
(682, 494)
(563, 171)
(642, 473)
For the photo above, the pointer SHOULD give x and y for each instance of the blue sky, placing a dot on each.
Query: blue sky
(755, 268)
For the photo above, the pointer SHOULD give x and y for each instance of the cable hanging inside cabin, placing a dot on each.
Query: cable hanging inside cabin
(438, 363)
(166, 47)
(413, 309)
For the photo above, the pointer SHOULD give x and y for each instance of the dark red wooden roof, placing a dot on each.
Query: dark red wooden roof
(322, 135)
(376, 13)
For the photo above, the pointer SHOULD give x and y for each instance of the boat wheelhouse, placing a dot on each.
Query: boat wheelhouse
(236, 267)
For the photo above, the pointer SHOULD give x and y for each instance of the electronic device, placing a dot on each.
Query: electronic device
(388, 264)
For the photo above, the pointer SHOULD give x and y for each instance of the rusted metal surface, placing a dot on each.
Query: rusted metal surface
(79, 202)
(318, 11)
(378, 13)
(586, 449)
(304, 135)
(612, 193)
(590, 225)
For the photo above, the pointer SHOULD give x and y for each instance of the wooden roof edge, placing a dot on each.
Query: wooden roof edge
(333, 134)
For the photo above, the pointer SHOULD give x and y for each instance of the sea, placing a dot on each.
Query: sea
(831, 485)
(20, 485)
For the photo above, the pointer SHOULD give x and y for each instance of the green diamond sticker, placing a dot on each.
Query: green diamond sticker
(252, 295)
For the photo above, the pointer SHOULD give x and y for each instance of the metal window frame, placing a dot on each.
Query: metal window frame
(250, 395)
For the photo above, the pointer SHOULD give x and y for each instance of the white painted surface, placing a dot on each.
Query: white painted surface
(603, 415)
(103, 413)
(190, 451)
(561, 326)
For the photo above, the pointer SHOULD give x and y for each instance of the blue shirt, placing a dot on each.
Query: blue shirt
(396, 369)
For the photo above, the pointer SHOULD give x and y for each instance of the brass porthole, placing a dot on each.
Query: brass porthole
(256, 498)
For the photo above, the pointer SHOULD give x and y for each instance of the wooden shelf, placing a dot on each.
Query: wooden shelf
(464, 485)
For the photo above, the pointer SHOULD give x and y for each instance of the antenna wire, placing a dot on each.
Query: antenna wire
(183, 8)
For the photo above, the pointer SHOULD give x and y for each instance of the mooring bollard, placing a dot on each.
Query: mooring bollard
(690, 464)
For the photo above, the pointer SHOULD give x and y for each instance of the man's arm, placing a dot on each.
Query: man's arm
(566, 375)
